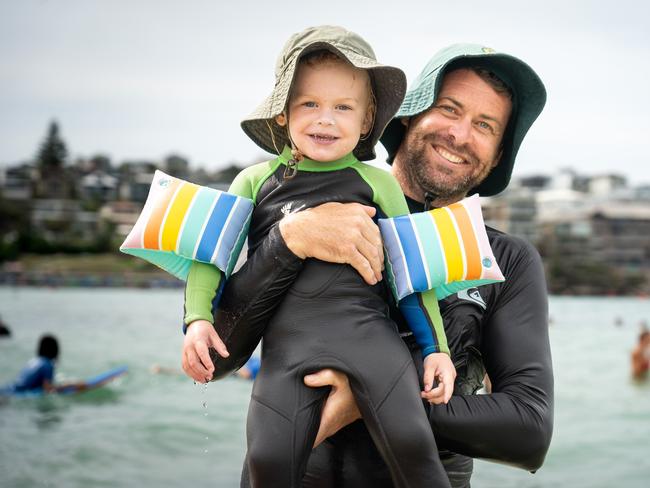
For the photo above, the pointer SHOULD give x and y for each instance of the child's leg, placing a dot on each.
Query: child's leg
(281, 432)
(395, 417)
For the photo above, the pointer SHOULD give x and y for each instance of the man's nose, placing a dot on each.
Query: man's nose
(461, 130)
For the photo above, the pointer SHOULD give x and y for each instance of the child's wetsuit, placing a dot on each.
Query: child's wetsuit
(330, 318)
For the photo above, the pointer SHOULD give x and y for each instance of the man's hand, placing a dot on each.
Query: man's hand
(337, 233)
(438, 366)
(340, 408)
(200, 336)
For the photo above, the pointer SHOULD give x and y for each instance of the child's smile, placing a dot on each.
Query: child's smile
(328, 109)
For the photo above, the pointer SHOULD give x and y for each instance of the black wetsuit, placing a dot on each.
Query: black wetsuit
(500, 328)
(330, 318)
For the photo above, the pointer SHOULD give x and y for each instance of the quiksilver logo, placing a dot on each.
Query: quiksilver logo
(472, 295)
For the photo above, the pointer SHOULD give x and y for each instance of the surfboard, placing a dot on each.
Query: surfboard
(79, 386)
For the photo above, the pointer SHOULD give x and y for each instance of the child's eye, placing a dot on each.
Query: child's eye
(344, 107)
(309, 104)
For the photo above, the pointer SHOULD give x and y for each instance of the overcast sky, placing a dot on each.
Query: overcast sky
(143, 79)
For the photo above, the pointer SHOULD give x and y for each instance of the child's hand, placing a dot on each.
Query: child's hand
(200, 336)
(438, 366)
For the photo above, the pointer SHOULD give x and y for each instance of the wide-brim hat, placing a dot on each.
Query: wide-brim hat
(529, 97)
(388, 83)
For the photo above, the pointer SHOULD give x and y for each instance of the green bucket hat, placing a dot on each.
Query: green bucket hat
(388, 84)
(529, 97)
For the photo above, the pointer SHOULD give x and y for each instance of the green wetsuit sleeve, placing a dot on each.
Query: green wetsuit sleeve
(420, 310)
(201, 288)
(204, 280)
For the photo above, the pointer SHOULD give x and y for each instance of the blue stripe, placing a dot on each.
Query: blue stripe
(396, 270)
(214, 226)
(417, 320)
(411, 252)
(228, 249)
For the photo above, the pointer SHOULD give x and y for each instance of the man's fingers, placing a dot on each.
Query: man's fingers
(372, 255)
(371, 211)
(324, 377)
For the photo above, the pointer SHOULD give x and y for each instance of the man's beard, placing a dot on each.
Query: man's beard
(440, 181)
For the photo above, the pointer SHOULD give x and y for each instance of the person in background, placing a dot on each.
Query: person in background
(640, 356)
(4, 330)
(249, 370)
(38, 374)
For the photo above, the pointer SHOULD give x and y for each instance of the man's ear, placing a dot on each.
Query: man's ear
(405, 121)
(281, 119)
(497, 159)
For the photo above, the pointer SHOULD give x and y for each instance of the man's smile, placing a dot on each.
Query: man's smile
(449, 156)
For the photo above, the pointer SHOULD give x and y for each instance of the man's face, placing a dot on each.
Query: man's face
(452, 147)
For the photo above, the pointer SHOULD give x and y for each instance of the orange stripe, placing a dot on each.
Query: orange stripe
(470, 243)
(152, 230)
(450, 244)
(176, 215)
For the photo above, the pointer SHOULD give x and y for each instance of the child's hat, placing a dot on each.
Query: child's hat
(389, 86)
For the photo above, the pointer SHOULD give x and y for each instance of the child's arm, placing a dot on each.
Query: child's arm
(422, 314)
(201, 292)
(420, 310)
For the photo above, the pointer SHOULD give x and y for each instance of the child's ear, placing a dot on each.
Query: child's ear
(281, 120)
(368, 120)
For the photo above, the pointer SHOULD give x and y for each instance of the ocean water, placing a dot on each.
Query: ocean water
(161, 430)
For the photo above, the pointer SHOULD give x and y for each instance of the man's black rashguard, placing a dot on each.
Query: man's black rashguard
(501, 327)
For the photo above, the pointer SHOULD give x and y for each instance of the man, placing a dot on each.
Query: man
(457, 133)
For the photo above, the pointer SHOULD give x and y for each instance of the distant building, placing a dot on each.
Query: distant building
(17, 182)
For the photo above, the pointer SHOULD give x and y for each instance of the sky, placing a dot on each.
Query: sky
(146, 79)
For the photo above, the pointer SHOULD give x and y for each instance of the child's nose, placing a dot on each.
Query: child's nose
(326, 118)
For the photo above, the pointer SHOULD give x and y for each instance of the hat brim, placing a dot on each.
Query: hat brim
(389, 86)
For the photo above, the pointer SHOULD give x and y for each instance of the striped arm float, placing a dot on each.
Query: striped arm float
(445, 249)
(182, 222)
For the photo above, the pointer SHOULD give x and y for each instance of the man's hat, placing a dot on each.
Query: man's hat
(529, 97)
(388, 83)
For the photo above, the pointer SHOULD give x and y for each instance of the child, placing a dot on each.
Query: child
(39, 372)
(330, 104)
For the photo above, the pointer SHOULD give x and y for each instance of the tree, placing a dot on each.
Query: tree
(52, 153)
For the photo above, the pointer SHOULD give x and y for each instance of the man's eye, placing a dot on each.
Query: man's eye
(447, 108)
(485, 126)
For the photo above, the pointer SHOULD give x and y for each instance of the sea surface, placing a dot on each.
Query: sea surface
(160, 430)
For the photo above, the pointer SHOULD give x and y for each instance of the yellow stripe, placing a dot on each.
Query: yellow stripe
(450, 244)
(176, 215)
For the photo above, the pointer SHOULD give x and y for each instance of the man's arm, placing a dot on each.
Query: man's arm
(333, 232)
(513, 424)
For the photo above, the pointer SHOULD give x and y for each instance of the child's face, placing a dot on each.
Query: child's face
(328, 109)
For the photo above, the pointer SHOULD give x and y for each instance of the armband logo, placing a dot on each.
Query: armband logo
(472, 295)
